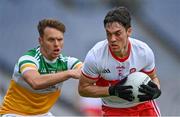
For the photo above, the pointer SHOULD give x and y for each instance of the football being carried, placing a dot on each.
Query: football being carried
(136, 79)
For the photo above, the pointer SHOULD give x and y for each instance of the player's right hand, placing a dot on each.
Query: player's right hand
(75, 73)
(121, 91)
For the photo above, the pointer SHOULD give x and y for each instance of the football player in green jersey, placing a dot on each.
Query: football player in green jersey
(39, 74)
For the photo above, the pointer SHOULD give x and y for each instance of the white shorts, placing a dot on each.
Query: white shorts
(49, 114)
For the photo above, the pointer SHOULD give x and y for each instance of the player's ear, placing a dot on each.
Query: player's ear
(129, 31)
(40, 40)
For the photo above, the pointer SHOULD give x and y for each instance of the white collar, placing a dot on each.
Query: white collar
(49, 61)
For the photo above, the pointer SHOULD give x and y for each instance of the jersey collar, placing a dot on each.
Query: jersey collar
(49, 61)
(121, 59)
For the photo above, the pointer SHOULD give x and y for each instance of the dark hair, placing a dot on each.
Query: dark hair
(50, 23)
(120, 15)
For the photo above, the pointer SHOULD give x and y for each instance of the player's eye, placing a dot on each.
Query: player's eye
(51, 39)
(108, 34)
(118, 33)
(60, 39)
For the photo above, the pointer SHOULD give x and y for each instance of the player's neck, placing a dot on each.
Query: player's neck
(122, 53)
(45, 56)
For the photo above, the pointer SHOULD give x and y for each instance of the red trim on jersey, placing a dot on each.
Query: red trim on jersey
(121, 59)
(102, 82)
(148, 72)
(89, 76)
(156, 107)
(92, 111)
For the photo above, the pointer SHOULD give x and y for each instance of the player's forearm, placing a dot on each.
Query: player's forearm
(44, 81)
(156, 80)
(93, 91)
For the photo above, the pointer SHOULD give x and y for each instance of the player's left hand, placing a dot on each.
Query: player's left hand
(151, 91)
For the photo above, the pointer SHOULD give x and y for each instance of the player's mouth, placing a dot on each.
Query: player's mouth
(56, 51)
(113, 46)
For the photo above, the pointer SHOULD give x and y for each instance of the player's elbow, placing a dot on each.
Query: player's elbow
(35, 85)
(81, 91)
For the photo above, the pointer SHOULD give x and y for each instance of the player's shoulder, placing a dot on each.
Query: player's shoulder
(31, 55)
(140, 48)
(33, 52)
(138, 44)
(63, 58)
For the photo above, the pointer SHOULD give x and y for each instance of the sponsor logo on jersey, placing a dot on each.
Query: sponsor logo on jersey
(43, 70)
(106, 71)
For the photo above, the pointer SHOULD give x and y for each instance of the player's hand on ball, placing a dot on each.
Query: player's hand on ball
(121, 91)
(151, 91)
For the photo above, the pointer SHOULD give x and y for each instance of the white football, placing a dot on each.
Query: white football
(135, 80)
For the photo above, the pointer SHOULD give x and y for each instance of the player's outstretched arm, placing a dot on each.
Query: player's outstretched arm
(38, 81)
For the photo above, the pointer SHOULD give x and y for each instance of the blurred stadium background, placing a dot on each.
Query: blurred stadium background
(154, 21)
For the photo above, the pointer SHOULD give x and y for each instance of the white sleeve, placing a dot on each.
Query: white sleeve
(90, 68)
(150, 60)
(27, 62)
(73, 62)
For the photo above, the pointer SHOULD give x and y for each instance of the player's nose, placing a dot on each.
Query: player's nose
(113, 38)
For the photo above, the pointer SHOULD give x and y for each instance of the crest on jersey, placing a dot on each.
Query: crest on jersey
(120, 70)
(132, 70)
